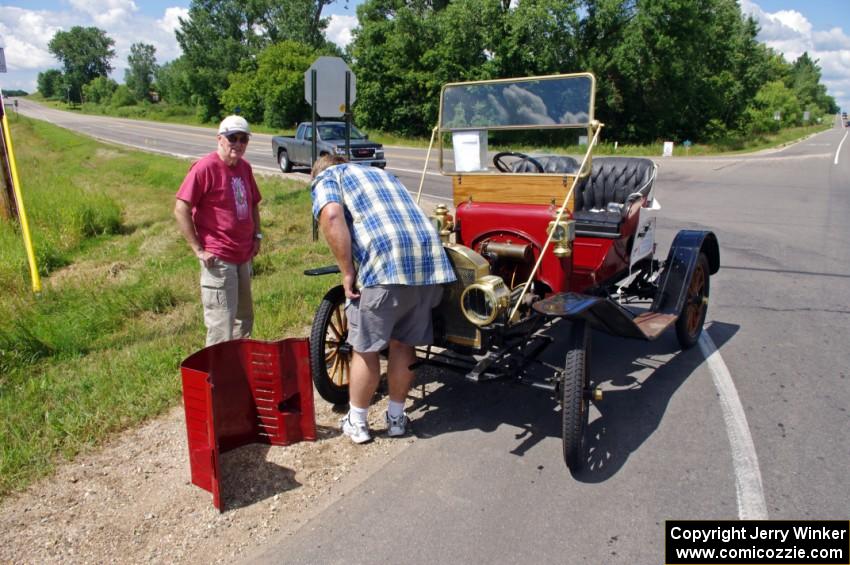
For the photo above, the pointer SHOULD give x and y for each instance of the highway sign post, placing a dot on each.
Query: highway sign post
(331, 73)
(330, 88)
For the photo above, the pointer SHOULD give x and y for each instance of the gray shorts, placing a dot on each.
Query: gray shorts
(385, 312)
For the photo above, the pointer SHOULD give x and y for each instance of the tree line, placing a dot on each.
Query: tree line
(666, 69)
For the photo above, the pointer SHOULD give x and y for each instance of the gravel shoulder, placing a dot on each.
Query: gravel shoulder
(132, 501)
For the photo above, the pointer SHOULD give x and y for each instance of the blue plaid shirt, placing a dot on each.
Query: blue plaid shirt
(392, 240)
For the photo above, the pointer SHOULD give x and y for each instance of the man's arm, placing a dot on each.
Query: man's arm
(335, 230)
(183, 214)
(257, 241)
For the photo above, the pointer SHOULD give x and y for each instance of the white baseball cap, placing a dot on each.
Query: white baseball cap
(233, 124)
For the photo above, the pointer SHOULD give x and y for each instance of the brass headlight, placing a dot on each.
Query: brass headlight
(485, 299)
(564, 234)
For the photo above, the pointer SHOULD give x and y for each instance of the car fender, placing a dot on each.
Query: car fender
(679, 268)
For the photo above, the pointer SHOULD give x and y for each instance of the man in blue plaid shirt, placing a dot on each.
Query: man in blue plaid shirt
(393, 265)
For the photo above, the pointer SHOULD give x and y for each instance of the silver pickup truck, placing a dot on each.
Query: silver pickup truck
(297, 151)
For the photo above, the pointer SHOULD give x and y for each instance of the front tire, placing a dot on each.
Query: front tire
(330, 353)
(692, 317)
(283, 161)
(575, 403)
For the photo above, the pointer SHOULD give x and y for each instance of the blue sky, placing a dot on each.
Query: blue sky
(819, 27)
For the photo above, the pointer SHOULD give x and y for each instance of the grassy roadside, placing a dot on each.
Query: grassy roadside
(161, 112)
(183, 115)
(729, 146)
(99, 349)
(164, 112)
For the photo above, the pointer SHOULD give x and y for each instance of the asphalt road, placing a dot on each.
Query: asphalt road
(757, 429)
(191, 142)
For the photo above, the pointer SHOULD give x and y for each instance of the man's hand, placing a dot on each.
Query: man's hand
(257, 243)
(207, 258)
(349, 282)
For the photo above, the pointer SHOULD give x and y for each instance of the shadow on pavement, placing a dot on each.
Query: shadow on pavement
(639, 379)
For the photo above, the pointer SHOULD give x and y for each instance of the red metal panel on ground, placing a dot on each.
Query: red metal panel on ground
(244, 391)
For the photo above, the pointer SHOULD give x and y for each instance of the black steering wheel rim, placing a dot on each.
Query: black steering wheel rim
(503, 167)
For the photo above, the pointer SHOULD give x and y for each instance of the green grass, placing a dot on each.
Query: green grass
(160, 112)
(731, 145)
(163, 112)
(99, 349)
(727, 146)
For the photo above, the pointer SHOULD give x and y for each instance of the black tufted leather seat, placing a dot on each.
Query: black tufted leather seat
(601, 201)
(550, 164)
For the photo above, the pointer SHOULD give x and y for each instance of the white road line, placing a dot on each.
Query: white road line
(837, 151)
(414, 171)
(751, 503)
(260, 168)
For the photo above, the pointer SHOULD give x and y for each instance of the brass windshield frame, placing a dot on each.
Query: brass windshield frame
(440, 130)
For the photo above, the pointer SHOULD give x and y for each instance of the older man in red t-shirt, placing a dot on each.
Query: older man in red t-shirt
(217, 212)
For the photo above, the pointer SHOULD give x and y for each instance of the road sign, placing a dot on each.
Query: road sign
(330, 86)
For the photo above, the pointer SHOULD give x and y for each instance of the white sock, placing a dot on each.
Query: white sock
(395, 409)
(357, 415)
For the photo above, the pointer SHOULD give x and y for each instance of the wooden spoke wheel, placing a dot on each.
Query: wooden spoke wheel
(330, 353)
(692, 317)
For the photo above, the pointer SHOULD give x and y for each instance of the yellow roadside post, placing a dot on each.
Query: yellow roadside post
(18, 200)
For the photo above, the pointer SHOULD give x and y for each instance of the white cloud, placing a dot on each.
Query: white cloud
(106, 12)
(832, 40)
(339, 29)
(793, 20)
(171, 20)
(21, 55)
(790, 33)
(26, 33)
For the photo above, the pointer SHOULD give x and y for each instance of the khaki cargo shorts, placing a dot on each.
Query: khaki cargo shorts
(226, 296)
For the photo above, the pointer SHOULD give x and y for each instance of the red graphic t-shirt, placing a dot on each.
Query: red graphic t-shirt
(222, 199)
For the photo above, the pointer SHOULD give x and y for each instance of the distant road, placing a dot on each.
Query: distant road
(192, 142)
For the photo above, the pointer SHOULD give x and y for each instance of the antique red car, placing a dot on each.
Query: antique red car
(540, 241)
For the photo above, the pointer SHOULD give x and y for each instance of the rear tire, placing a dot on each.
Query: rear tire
(574, 400)
(283, 161)
(692, 317)
(330, 353)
